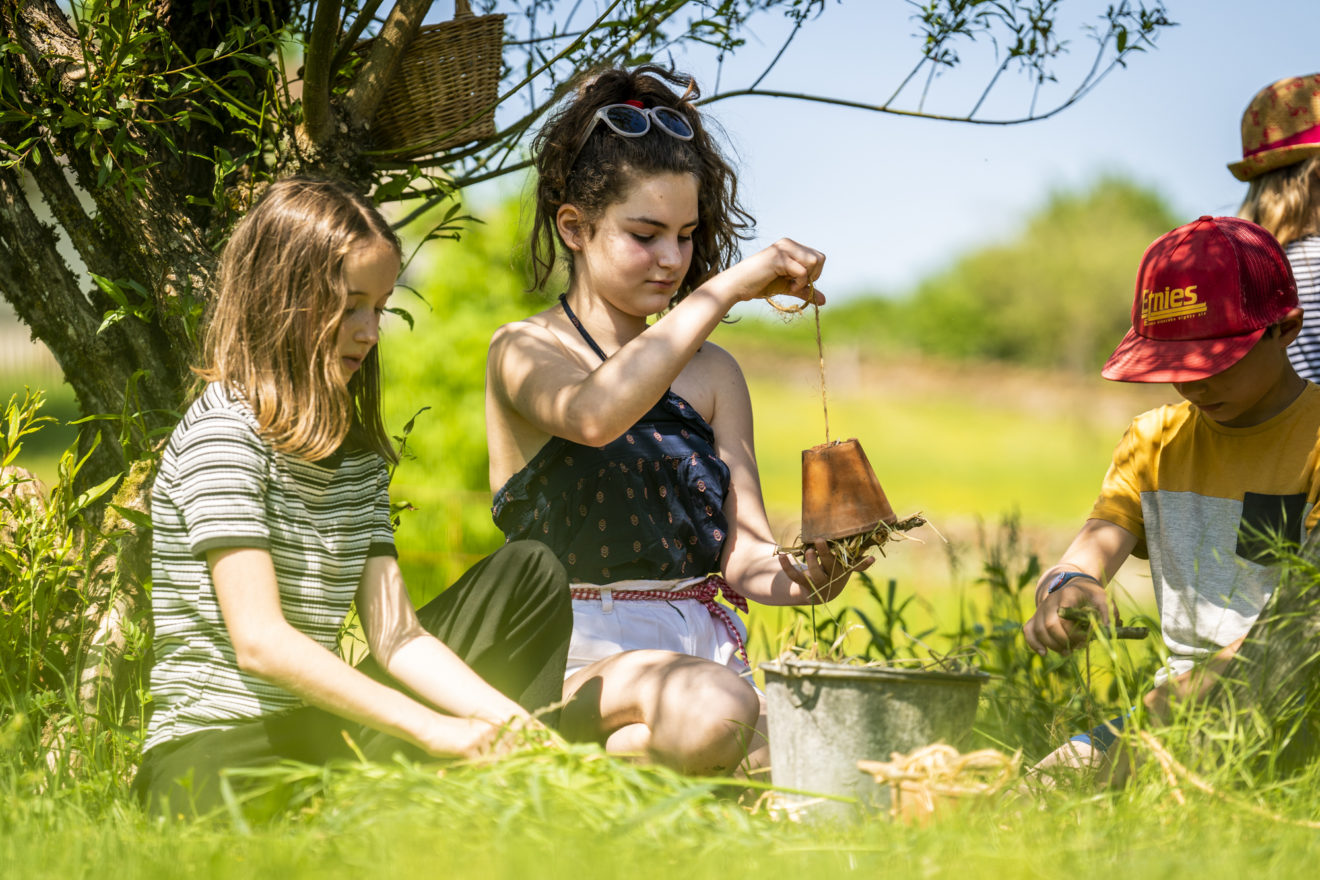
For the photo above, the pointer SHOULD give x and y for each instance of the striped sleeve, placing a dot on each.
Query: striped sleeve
(382, 532)
(223, 471)
(1304, 255)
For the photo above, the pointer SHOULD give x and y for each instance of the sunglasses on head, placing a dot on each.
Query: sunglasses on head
(632, 119)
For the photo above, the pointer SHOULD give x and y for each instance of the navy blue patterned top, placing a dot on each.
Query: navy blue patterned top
(648, 505)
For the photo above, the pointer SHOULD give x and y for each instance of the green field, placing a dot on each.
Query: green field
(966, 445)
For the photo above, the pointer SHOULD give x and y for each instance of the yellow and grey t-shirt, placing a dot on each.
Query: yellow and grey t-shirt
(1205, 502)
(221, 485)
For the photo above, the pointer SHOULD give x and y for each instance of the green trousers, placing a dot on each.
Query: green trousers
(509, 617)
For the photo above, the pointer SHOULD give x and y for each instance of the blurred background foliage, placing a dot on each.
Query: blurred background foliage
(1056, 293)
(456, 294)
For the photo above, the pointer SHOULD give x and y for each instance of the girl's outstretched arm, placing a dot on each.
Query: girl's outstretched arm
(530, 373)
(267, 646)
(415, 658)
(750, 564)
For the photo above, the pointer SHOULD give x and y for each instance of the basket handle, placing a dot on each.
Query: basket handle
(462, 10)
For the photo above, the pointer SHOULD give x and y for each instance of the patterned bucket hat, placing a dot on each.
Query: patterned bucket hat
(1281, 126)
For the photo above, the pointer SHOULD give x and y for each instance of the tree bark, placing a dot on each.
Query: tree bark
(368, 88)
(116, 592)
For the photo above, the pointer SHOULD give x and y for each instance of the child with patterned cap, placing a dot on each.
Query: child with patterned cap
(1203, 488)
(1281, 164)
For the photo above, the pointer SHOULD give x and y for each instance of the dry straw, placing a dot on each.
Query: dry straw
(445, 90)
(938, 776)
(1173, 771)
(849, 550)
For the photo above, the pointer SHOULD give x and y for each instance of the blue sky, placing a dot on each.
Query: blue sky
(891, 199)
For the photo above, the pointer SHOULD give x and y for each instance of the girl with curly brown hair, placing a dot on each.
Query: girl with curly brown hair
(622, 438)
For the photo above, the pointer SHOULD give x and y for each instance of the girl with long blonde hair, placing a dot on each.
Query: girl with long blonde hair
(271, 516)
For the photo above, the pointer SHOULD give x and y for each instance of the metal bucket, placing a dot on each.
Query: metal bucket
(825, 717)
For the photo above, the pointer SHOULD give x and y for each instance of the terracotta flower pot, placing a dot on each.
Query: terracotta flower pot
(841, 495)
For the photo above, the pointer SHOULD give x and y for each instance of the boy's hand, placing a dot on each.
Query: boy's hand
(1047, 631)
(1097, 552)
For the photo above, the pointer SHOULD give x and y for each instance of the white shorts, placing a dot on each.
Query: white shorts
(608, 626)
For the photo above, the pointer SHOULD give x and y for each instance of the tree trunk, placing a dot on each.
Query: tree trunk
(150, 239)
(117, 593)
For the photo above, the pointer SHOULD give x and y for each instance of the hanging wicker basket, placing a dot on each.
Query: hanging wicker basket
(444, 91)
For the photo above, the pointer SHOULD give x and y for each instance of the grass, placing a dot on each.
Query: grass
(964, 445)
(575, 814)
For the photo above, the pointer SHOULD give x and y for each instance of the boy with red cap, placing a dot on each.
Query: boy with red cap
(1201, 488)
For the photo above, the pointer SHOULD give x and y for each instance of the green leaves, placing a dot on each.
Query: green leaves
(21, 419)
(88, 497)
(139, 92)
(43, 562)
(130, 297)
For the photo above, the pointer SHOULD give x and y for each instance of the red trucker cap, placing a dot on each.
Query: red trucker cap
(1205, 294)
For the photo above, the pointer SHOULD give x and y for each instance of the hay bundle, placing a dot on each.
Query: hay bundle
(938, 776)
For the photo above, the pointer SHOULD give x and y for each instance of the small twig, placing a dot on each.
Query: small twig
(780, 54)
(1087, 618)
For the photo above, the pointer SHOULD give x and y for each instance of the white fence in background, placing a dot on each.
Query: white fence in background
(20, 356)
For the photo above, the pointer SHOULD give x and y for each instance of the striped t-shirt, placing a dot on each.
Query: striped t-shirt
(220, 485)
(1304, 256)
(1205, 501)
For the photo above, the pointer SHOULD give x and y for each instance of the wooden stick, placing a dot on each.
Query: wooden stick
(1085, 617)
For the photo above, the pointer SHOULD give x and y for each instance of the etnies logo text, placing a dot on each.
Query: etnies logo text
(1170, 304)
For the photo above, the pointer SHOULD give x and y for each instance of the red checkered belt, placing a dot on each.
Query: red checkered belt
(704, 592)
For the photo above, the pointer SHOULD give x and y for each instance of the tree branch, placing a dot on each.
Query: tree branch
(354, 33)
(373, 77)
(885, 108)
(46, 34)
(36, 281)
(317, 71)
(797, 27)
(64, 204)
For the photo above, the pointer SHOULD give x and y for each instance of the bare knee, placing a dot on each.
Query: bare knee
(1074, 759)
(698, 716)
(706, 722)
